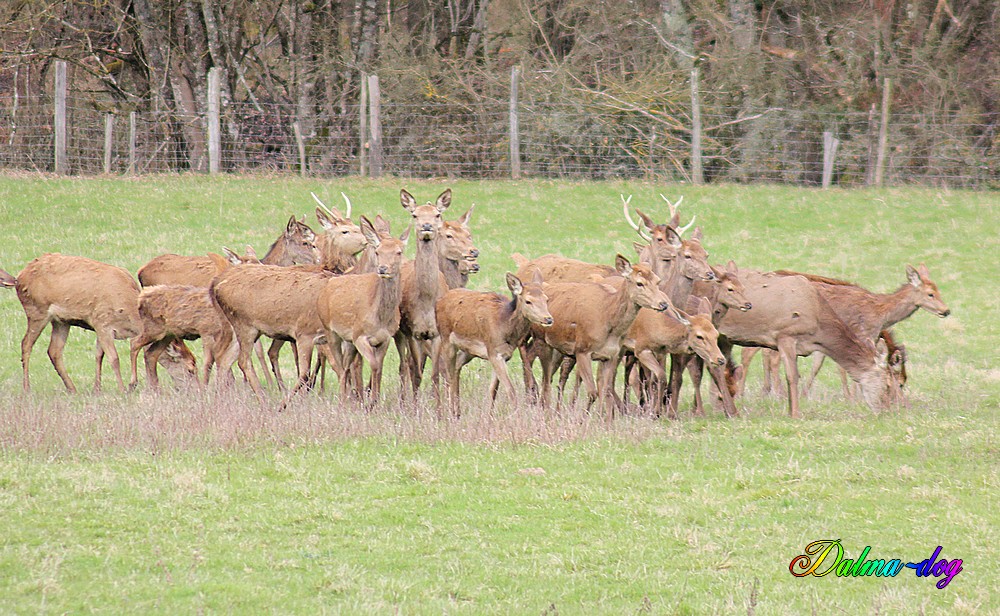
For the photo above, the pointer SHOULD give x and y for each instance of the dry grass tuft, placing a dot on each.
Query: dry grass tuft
(234, 419)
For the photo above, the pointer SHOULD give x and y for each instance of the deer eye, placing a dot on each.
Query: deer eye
(639, 284)
(527, 302)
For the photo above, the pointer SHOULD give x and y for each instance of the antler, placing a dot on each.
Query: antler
(323, 205)
(348, 214)
(631, 222)
(673, 212)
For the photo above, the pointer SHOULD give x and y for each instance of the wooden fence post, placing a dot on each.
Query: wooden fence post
(131, 142)
(697, 173)
(109, 129)
(363, 127)
(214, 124)
(515, 135)
(300, 144)
(830, 145)
(60, 86)
(883, 133)
(375, 119)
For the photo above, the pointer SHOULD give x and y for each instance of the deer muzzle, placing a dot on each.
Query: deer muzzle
(946, 312)
(547, 322)
(746, 306)
(383, 272)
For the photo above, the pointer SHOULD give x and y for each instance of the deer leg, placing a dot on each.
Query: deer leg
(374, 359)
(273, 353)
(817, 363)
(695, 370)
(303, 362)
(136, 345)
(565, 369)
(648, 360)
(57, 342)
(258, 348)
(151, 356)
(772, 361)
(246, 338)
(746, 357)
(719, 377)
(500, 373)
(528, 356)
(35, 327)
(585, 369)
(404, 369)
(789, 358)
(549, 358)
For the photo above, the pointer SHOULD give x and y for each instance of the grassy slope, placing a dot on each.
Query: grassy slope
(687, 515)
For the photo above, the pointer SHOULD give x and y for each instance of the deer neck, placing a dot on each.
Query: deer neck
(386, 300)
(453, 278)
(841, 344)
(622, 310)
(678, 286)
(338, 262)
(895, 307)
(514, 326)
(276, 254)
(426, 270)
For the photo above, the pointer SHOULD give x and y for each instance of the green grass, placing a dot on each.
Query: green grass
(185, 503)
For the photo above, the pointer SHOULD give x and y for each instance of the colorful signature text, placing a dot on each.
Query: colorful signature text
(819, 560)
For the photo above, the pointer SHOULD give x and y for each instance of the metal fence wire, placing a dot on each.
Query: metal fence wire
(574, 139)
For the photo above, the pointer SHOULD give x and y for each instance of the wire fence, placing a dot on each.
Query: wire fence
(574, 139)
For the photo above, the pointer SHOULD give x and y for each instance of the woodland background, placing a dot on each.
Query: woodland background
(605, 86)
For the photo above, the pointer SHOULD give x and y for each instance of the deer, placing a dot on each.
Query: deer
(278, 302)
(654, 335)
(70, 291)
(360, 313)
(341, 241)
(457, 255)
(791, 316)
(590, 320)
(422, 285)
(296, 245)
(180, 312)
(488, 326)
(869, 314)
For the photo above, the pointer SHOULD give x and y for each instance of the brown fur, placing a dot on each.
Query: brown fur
(791, 316)
(69, 291)
(556, 268)
(175, 312)
(340, 243)
(489, 326)
(457, 254)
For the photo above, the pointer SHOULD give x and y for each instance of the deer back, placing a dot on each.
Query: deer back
(280, 302)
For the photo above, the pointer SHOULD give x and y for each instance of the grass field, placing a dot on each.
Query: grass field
(190, 502)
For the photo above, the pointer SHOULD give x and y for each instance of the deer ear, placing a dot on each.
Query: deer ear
(221, 263)
(639, 247)
(323, 219)
(881, 354)
(514, 284)
(382, 225)
(368, 230)
(913, 276)
(405, 237)
(622, 266)
(731, 268)
(519, 259)
(443, 200)
(231, 256)
(675, 220)
(407, 200)
(536, 276)
(697, 235)
(292, 224)
(464, 218)
(251, 255)
(646, 220)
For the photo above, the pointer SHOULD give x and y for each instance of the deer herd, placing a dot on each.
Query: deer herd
(348, 292)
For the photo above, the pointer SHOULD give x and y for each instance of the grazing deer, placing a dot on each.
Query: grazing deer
(868, 314)
(488, 326)
(69, 291)
(791, 316)
(295, 246)
(457, 254)
(590, 320)
(423, 284)
(177, 312)
(654, 334)
(360, 313)
(278, 302)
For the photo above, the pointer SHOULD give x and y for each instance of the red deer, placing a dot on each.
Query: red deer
(653, 335)
(488, 326)
(456, 253)
(590, 320)
(342, 240)
(867, 313)
(278, 302)
(69, 291)
(423, 285)
(790, 315)
(296, 245)
(360, 313)
(177, 312)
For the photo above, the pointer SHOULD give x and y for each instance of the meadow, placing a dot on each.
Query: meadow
(194, 501)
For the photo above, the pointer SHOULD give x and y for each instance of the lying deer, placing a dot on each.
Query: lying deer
(488, 326)
(790, 316)
(69, 291)
(360, 313)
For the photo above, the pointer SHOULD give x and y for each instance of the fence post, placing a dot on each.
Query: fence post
(131, 142)
(830, 145)
(515, 135)
(363, 127)
(61, 166)
(214, 125)
(300, 144)
(109, 129)
(697, 174)
(375, 108)
(883, 133)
